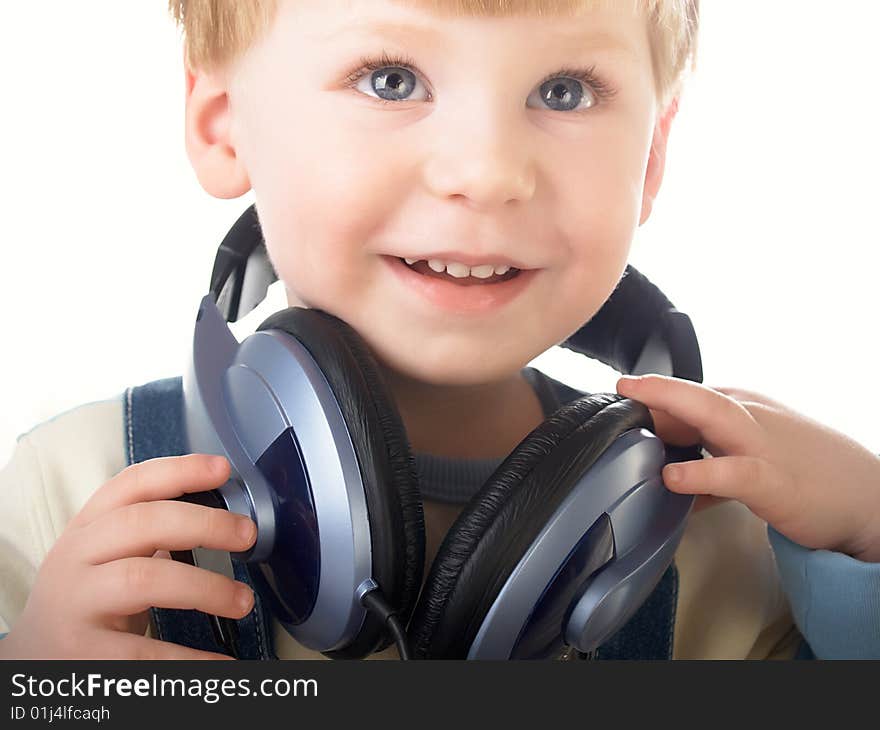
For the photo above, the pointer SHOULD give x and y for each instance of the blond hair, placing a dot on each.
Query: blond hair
(217, 32)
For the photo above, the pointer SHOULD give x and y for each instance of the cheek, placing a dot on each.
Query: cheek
(597, 237)
(597, 218)
(319, 215)
(602, 200)
(320, 272)
(310, 198)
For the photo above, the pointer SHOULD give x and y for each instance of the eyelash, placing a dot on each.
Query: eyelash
(602, 89)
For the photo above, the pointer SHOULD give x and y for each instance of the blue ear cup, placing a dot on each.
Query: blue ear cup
(559, 548)
(503, 521)
(397, 531)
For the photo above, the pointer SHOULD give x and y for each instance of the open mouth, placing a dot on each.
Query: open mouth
(421, 267)
(464, 294)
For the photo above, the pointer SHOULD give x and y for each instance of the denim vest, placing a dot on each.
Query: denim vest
(154, 427)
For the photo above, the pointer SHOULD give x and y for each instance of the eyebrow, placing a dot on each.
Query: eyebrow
(594, 40)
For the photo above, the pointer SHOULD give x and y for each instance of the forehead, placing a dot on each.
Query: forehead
(568, 24)
(504, 8)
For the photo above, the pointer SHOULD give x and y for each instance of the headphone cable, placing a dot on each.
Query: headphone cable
(375, 601)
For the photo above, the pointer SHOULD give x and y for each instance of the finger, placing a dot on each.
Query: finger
(672, 431)
(721, 421)
(164, 477)
(754, 481)
(143, 528)
(750, 396)
(132, 585)
(121, 645)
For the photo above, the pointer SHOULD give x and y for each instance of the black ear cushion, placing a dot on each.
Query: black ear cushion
(501, 522)
(388, 470)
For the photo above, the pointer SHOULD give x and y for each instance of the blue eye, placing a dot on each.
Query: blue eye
(391, 79)
(399, 81)
(563, 94)
(394, 81)
(561, 90)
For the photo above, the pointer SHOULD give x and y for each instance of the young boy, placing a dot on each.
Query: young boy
(446, 133)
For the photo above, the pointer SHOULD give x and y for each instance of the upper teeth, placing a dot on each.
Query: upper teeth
(460, 271)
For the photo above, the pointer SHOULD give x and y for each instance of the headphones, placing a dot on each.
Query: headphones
(558, 549)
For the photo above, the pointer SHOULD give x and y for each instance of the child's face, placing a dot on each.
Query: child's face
(471, 158)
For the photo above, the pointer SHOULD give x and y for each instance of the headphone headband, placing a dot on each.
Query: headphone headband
(242, 271)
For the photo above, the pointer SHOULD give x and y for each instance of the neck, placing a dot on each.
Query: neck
(484, 421)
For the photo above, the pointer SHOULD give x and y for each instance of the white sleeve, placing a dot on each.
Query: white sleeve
(53, 470)
(25, 534)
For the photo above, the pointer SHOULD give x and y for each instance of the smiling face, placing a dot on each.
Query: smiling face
(473, 139)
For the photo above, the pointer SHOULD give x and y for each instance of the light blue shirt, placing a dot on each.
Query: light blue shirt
(835, 599)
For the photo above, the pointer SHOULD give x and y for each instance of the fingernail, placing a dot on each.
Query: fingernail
(218, 464)
(629, 381)
(673, 474)
(246, 529)
(245, 598)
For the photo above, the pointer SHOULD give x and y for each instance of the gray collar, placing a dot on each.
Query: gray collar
(455, 481)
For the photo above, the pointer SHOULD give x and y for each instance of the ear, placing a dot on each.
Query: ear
(209, 145)
(657, 159)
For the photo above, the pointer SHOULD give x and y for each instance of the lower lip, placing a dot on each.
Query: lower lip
(452, 297)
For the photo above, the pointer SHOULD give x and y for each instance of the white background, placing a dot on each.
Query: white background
(765, 231)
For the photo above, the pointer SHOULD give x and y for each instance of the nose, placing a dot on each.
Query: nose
(482, 162)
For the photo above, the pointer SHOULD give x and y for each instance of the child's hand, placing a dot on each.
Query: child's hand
(813, 484)
(95, 586)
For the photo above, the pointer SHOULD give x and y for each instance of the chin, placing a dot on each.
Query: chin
(473, 369)
(433, 360)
